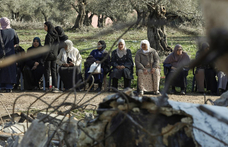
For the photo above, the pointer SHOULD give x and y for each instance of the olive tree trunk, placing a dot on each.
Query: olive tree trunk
(156, 28)
(81, 15)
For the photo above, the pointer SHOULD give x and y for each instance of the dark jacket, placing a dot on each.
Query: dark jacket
(20, 50)
(10, 38)
(126, 61)
(30, 62)
(99, 56)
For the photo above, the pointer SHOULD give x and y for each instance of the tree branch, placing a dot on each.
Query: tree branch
(75, 7)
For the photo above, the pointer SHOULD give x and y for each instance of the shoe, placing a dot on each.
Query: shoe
(36, 88)
(140, 94)
(172, 91)
(156, 92)
(98, 89)
(9, 90)
(55, 90)
(182, 92)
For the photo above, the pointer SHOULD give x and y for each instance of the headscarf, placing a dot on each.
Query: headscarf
(123, 52)
(62, 35)
(147, 44)
(71, 52)
(38, 39)
(51, 30)
(5, 23)
(176, 56)
(103, 45)
(177, 60)
(202, 49)
(69, 44)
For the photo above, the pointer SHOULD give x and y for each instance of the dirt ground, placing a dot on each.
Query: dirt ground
(23, 100)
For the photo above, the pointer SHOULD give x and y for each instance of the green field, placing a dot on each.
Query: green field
(132, 39)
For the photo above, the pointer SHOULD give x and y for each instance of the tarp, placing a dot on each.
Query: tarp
(206, 122)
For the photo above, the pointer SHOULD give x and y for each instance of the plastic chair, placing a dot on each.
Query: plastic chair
(22, 82)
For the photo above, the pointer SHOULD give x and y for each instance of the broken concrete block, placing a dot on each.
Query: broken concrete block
(223, 100)
(71, 132)
(68, 131)
(14, 141)
(51, 118)
(16, 128)
(35, 136)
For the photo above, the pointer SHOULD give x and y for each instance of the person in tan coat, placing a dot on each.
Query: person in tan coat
(147, 68)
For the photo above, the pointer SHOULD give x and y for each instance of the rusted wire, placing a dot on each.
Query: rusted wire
(6, 109)
(75, 106)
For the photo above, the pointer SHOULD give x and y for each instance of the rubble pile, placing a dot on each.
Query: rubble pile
(123, 119)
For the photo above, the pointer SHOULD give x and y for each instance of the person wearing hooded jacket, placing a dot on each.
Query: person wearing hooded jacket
(62, 37)
(51, 40)
(68, 59)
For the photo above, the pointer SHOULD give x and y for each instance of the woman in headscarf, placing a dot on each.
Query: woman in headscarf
(10, 39)
(122, 63)
(68, 58)
(147, 68)
(177, 59)
(62, 37)
(205, 74)
(97, 56)
(34, 67)
(52, 41)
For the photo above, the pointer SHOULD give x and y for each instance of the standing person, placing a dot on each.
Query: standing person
(9, 39)
(52, 41)
(98, 55)
(174, 60)
(34, 67)
(122, 64)
(147, 68)
(62, 37)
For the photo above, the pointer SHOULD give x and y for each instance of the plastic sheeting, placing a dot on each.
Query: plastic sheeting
(206, 122)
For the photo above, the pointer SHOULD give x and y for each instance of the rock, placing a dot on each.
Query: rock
(223, 100)
(17, 128)
(35, 136)
(51, 118)
(14, 141)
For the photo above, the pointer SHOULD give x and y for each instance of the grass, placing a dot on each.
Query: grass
(132, 39)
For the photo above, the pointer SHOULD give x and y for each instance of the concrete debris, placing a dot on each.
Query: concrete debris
(35, 136)
(16, 128)
(122, 119)
(223, 100)
(14, 141)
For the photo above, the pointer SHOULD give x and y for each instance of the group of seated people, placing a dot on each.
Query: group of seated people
(121, 64)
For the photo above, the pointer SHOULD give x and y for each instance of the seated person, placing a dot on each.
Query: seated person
(174, 60)
(34, 68)
(222, 81)
(97, 56)
(20, 65)
(68, 59)
(147, 68)
(205, 74)
(122, 64)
